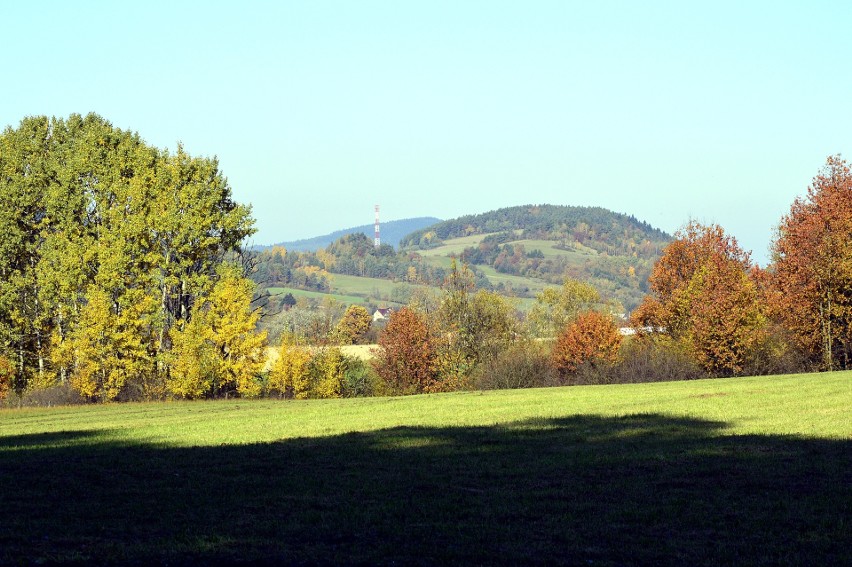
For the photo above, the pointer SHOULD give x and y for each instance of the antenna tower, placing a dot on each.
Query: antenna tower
(378, 241)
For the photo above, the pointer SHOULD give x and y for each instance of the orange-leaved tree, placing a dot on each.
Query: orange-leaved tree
(703, 295)
(813, 267)
(405, 359)
(592, 338)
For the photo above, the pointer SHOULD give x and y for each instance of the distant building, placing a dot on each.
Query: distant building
(381, 314)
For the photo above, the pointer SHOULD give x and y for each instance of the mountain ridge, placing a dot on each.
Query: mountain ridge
(392, 232)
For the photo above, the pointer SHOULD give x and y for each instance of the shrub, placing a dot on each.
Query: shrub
(778, 353)
(289, 375)
(649, 359)
(592, 339)
(526, 364)
(56, 395)
(327, 370)
(360, 380)
(405, 360)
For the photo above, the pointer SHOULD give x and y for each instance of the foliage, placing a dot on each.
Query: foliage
(218, 351)
(309, 324)
(361, 380)
(585, 224)
(612, 252)
(289, 373)
(647, 358)
(813, 268)
(7, 375)
(556, 308)
(108, 348)
(108, 245)
(406, 357)
(327, 371)
(591, 339)
(195, 366)
(353, 325)
(475, 327)
(524, 364)
(704, 294)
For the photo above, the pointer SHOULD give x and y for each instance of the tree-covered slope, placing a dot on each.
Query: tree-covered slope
(596, 227)
(612, 251)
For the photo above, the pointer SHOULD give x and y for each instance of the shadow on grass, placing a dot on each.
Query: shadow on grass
(645, 489)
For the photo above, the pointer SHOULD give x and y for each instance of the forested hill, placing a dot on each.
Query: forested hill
(392, 232)
(596, 227)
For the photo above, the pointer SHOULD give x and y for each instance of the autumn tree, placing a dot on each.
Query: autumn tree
(702, 295)
(108, 349)
(406, 357)
(7, 374)
(95, 221)
(353, 325)
(218, 350)
(592, 338)
(289, 374)
(813, 267)
(327, 370)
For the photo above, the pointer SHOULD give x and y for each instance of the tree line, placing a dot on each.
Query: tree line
(122, 277)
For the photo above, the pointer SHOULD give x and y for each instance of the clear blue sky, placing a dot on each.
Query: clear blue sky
(717, 111)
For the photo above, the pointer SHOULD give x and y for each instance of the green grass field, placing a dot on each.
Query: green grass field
(348, 289)
(753, 471)
(297, 293)
(454, 245)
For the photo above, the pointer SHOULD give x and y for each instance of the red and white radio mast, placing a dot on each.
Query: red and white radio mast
(378, 241)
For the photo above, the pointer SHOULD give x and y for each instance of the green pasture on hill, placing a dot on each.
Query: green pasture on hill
(454, 245)
(357, 285)
(753, 471)
(319, 295)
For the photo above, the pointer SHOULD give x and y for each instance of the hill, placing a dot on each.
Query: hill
(550, 222)
(519, 248)
(517, 251)
(392, 232)
(750, 471)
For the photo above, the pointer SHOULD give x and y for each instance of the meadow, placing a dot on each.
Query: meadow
(729, 471)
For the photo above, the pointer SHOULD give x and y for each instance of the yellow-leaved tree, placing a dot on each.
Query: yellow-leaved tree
(219, 350)
(108, 348)
(290, 373)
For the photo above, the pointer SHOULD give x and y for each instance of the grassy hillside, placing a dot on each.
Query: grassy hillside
(738, 471)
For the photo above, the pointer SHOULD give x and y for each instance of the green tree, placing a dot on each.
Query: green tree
(475, 327)
(89, 211)
(555, 308)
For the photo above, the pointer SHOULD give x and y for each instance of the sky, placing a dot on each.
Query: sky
(719, 112)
